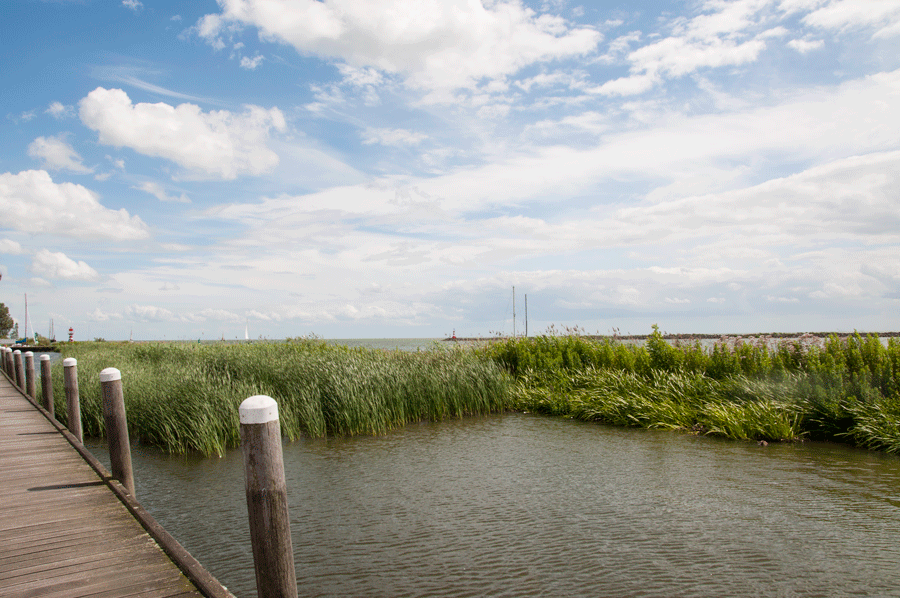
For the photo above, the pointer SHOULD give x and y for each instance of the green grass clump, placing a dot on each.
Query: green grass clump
(845, 390)
(185, 397)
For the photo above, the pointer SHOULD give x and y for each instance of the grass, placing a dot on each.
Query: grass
(843, 390)
(185, 397)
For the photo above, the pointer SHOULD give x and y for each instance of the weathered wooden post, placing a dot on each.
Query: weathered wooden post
(30, 378)
(270, 525)
(47, 384)
(116, 427)
(20, 370)
(73, 407)
(7, 362)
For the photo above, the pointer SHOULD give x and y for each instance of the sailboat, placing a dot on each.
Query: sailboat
(24, 339)
(247, 330)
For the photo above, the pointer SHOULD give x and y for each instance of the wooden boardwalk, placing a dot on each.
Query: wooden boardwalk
(67, 531)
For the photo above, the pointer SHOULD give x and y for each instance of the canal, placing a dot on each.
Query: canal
(524, 505)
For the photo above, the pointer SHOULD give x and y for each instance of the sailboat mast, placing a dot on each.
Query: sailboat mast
(514, 312)
(526, 315)
(26, 317)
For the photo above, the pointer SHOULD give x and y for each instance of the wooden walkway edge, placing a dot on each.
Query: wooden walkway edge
(67, 529)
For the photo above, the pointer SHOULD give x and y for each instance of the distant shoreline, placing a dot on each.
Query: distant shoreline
(691, 336)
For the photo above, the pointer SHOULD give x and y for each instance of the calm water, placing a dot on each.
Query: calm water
(523, 505)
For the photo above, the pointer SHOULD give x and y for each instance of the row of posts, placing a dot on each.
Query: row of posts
(265, 486)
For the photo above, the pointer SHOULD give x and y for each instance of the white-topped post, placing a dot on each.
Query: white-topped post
(7, 363)
(116, 427)
(73, 407)
(270, 525)
(20, 369)
(30, 378)
(47, 385)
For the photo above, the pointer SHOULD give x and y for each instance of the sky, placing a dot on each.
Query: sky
(395, 168)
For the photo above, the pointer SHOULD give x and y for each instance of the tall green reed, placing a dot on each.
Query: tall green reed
(185, 397)
(845, 390)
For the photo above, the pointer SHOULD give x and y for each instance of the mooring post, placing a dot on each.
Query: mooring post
(47, 385)
(20, 371)
(116, 427)
(270, 525)
(73, 408)
(30, 378)
(7, 362)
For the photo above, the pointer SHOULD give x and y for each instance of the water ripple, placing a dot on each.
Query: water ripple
(518, 505)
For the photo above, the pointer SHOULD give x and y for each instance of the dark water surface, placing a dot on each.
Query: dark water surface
(523, 505)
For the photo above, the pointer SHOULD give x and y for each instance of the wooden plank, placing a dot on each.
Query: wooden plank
(65, 532)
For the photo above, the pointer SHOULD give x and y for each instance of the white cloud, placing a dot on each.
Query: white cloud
(434, 44)
(805, 46)
(396, 137)
(37, 281)
(215, 144)
(59, 110)
(251, 63)
(56, 154)
(10, 247)
(847, 14)
(134, 5)
(33, 203)
(724, 34)
(157, 191)
(60, 267)
(150, 313)
(23, 117)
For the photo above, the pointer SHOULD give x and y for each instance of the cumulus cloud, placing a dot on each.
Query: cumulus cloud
(57, 266)
(55, 153)
(433, 44)
(805, 46)
(723, 34)
(134, 5)
(150, 313)
(10, 247)
(216, 144)
(157, 191)
(33, 203)
(251, 63)
(58, 110)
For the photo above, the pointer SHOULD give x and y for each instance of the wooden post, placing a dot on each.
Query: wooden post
(7, 362)
(47, 385)
(20, 370)
(30, 378)
(270, 525)
(73, 408)
(116, 427)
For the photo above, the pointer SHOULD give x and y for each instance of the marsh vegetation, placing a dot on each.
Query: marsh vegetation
(763, 389)
(184, 397)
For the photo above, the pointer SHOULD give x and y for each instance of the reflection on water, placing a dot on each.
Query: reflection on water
(521, 505)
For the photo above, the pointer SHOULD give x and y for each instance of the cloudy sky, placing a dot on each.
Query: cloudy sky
(394, 168)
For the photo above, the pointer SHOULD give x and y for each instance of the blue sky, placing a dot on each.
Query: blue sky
(353, 169)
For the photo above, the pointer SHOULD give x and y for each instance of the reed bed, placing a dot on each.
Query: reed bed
(845, 390)
(185, 397)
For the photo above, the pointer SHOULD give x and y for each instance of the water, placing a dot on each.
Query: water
(524, 505)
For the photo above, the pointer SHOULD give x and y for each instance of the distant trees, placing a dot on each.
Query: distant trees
(7, 325)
